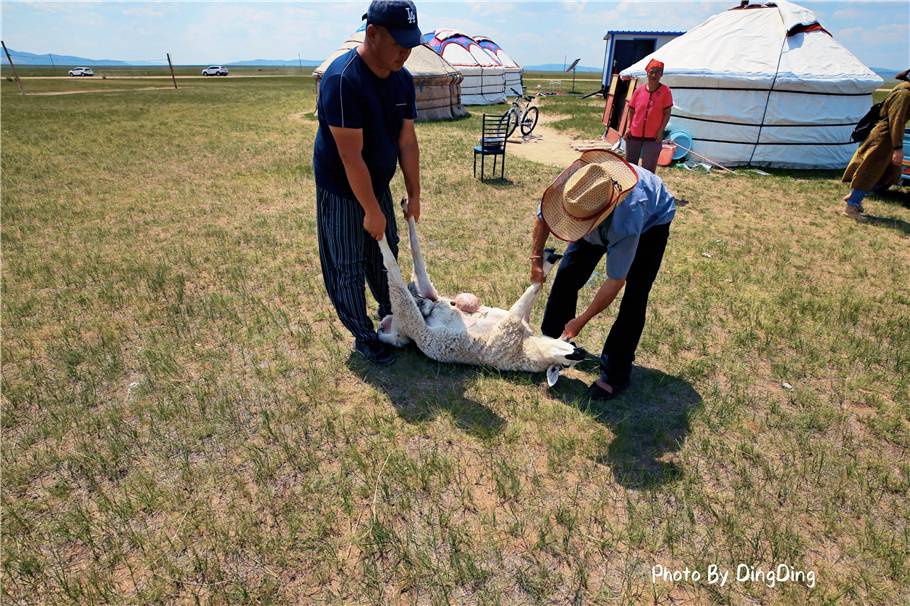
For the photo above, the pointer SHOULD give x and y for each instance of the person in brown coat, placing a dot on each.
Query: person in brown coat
(876, 164)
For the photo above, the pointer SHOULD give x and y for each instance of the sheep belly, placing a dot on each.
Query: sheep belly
(455, 336)
(480, 323)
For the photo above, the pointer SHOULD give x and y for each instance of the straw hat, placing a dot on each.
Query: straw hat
(585, 193)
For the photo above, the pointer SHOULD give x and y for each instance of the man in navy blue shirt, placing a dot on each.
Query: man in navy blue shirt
(366, 109)
(604, 205)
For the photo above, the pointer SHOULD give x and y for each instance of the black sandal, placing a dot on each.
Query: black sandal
(596, 392)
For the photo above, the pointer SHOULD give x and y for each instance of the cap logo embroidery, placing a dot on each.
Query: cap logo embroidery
(412, 18)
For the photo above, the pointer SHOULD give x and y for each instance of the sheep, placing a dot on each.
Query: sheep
(462, 331)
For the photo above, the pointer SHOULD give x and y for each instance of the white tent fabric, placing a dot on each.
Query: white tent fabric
(437, 85)
(484, 77)
(765, 85)
(512, 68)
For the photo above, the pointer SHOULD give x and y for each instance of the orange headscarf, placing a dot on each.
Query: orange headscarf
(654, 63)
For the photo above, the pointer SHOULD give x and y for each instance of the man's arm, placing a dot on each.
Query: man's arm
(538, 241)
(350, 148)
(620, 255)
(409, 160)
(606, 294)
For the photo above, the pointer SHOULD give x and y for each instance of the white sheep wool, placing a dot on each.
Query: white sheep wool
(488, 336)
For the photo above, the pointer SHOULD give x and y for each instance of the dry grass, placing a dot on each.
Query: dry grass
(183, 419)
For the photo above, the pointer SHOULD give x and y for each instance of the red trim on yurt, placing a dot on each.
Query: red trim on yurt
(805, 29)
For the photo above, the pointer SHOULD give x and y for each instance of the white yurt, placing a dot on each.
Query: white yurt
(484, 77)
(511, 67)
(766, 85)
(436, 83)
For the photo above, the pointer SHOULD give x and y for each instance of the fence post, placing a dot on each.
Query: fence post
(13, 65)
(172, 69)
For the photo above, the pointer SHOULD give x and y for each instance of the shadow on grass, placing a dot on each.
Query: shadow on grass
(420, 388)
(465, 118)
(498, 182)
(896, 224)
(649, 421)
(895, 195)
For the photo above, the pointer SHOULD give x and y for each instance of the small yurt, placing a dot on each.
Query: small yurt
(484, 77)
(511, 67)
(436, 83)
(766, 85)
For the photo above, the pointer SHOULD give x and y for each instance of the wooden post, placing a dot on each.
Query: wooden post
(624, 118)
(172, 69)
(13, 65)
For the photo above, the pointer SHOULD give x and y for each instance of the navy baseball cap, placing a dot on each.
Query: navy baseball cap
(397, 16)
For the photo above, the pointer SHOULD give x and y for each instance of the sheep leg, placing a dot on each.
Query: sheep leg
(424, 286)
(405, 312)
(512, 330)
(522, 307)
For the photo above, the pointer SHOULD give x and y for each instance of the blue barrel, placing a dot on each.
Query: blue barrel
(683, 141)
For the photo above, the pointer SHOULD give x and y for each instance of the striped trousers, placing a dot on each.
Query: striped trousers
(349, 254)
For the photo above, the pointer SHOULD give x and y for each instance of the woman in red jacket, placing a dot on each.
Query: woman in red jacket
(649, 112)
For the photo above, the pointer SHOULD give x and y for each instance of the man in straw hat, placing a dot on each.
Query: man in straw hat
(366, 111)
(604, 205)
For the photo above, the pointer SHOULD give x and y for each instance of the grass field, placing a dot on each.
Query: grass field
(184, 421)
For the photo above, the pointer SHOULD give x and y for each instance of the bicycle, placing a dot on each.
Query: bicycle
(521, 113)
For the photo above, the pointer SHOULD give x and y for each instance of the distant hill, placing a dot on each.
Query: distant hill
(25, 58)
(885, 72)
(558, 67)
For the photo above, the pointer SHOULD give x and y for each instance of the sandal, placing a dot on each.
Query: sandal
(596, 392)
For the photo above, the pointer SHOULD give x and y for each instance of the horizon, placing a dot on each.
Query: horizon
(278, 31)
(307, 62)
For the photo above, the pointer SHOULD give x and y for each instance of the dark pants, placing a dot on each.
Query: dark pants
(648, 150)
(574, 271)
(349, 254)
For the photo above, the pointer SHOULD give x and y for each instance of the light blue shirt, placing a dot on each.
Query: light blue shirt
(649, 203)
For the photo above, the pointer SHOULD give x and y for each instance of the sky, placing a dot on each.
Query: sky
(532, 32)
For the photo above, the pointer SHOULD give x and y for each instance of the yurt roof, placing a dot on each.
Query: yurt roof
(492, 47)
(780, 45)
(423, 62)
(469, 51)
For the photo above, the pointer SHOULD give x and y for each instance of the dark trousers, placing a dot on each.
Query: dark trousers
(349, 254)
(574, 271)
(648, 150)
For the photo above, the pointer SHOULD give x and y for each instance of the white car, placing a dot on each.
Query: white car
(215, 70)
(81, 71)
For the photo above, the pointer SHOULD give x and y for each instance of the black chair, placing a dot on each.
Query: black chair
(492, 143)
